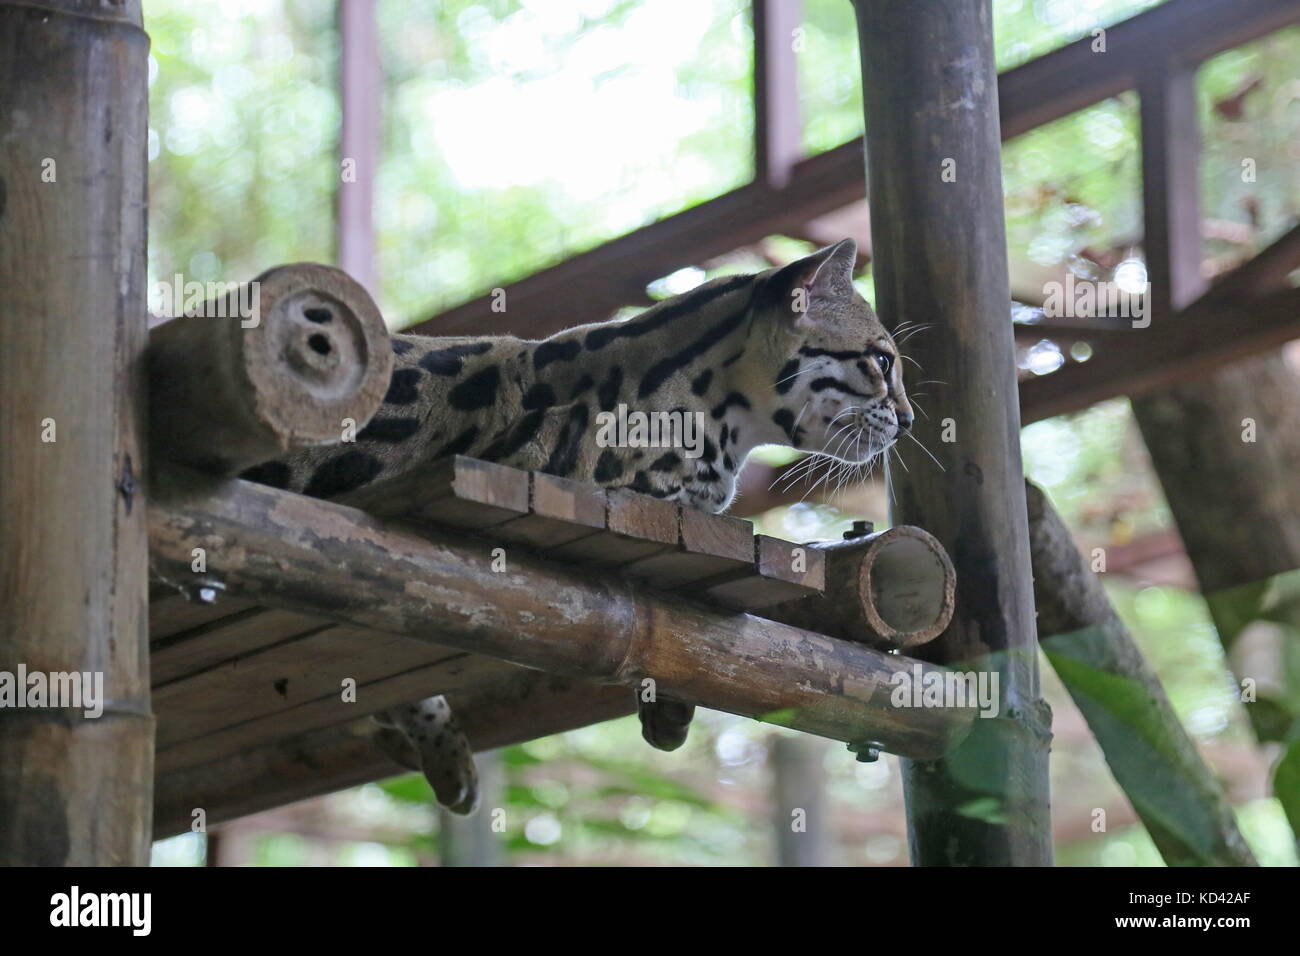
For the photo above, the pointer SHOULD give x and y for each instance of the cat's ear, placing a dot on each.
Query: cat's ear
(824, 276)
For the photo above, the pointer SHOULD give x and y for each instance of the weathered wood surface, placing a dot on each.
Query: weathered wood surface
(74, 790)
(304, 764)
(1154, 761)
(297, 359)
(303, 555)
(933, 157)
(894, 589)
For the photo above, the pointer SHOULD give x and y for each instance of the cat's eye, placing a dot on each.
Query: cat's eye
(885, 361)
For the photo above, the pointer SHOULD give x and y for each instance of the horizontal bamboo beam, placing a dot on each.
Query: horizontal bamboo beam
(1209, 333)
(285, 362)
(289, 551)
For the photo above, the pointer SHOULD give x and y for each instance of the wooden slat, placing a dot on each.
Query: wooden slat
(561, 512)
(708, 545)
(774, 577)
(635, 526)
(463, 493)
(305, 669)
(208, 645)
(308, 763)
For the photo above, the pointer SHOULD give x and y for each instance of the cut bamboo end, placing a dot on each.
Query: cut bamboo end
(894, 589)
(906, 587)
(293, 360)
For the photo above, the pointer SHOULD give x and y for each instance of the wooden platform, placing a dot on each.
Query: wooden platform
(234, 682)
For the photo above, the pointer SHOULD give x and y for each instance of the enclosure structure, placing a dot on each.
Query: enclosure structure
(257, 616)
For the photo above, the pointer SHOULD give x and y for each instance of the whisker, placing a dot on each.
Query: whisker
(924, 449)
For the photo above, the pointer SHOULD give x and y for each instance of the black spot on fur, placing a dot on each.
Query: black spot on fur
(343, 473)
(460, 444)
(732, 360)
(707, 474)
(822, 384)
(451, 360)
(785, 418)
(710, 450)
(274, 473)
(785, 378)
(661, 315)
(701, 383)
(734, 398)
(477, 391)
(728, 463)
(403, 387)
(581, 386)
(549, 352)
(524, 431)
(666, 462)
(401, 346)
(838, 356)
(565, 454)
(609, 389)
(390, 429)
(608, 467)
(540, 395)
(661, 371)
(722, 438)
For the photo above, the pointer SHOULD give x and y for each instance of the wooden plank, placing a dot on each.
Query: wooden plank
(171, 612)
(562, 511)
(1207, 335)
(1171, 188)
(464, 493)
(636, 526)
(783, 571)
(709, 545)
(296, 766)
(268, 680)
(441, 675)
(778, 136)
(210, 644)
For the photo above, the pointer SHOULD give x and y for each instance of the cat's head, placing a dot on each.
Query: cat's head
(836, 384)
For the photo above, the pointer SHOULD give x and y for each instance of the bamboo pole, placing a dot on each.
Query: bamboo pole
(298, 553)
(930, 95)
(295, 359)
(75, 789)
(1154, 761)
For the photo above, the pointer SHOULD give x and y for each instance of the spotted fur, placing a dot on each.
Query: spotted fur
(792, 356)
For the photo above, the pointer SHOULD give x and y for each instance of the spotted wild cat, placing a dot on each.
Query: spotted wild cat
(793, 356)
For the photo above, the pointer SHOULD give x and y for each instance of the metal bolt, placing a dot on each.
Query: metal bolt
(860, 530)
(868, 751)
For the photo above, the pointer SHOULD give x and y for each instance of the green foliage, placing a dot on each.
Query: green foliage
(243, 114)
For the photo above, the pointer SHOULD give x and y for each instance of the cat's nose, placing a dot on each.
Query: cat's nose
(904, 421)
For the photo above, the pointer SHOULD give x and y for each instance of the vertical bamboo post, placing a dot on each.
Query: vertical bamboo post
(74, 789)
(933, 157)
